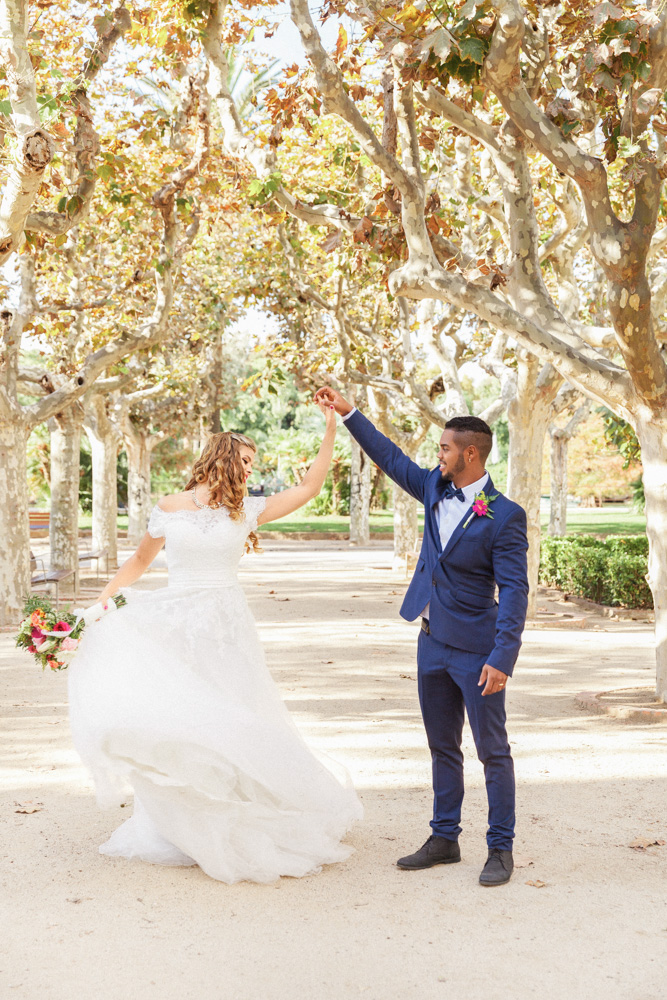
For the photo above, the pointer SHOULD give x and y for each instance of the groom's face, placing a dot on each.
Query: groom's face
(450, 457)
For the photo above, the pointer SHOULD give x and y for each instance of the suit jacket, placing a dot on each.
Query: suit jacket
(459, 583)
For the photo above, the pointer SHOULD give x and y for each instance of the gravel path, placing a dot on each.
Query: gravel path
(86, 926)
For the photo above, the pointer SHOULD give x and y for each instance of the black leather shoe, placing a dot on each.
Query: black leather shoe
(498, 868)
(436, 851)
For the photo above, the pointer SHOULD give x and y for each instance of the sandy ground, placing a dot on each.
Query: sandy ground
(81, 925)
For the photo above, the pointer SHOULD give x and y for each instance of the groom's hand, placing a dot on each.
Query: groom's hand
(330, 397)
(494, 680)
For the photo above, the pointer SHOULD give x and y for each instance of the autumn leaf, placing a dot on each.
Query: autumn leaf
(341, 42)
(473, 49)
(606, 11)
(332, 241)
(641, 843)
(536, 883)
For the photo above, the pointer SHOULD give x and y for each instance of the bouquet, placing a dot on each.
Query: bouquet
(53, 637)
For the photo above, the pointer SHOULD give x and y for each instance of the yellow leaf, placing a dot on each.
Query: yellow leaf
(341, 41)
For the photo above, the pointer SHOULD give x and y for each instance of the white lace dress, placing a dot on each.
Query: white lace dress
(170, 696)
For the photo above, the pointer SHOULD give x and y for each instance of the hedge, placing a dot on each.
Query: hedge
(609, 571)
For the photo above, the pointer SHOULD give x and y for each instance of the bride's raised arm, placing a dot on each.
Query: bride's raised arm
(291, 499)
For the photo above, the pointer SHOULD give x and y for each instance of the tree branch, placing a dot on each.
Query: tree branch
(86, 143)
(33, 148)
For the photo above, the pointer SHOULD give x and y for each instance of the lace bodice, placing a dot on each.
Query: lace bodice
(204, 547)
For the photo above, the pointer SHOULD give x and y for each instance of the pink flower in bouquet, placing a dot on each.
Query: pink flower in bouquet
(62, 627)
(36, 633)
(32, 649)
(68, 645)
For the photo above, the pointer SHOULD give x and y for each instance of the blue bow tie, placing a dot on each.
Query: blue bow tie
(451, 492)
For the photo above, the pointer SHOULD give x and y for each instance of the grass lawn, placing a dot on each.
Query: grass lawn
(615, 519)
(608, 520)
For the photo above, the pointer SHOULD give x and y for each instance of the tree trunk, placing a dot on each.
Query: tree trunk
(558, 464)
(406, 529)
(528, 417)
(104, 440)
(65, 473)
(360, 495)
(652, 434)
(138, 486)
(14, 523)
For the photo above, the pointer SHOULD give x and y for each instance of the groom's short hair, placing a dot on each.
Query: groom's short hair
(472, 430)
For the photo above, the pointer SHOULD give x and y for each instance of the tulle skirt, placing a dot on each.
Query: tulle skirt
(170, 697)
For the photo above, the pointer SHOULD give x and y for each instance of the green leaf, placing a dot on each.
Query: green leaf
(5, 107)
(62, 203)
(474, 49)
(60, 240)
(73, 205)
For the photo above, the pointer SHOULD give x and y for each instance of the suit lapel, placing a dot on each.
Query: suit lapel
(438, 493)
(458, 531)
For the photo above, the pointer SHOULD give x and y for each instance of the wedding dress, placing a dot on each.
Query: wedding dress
(170, 696)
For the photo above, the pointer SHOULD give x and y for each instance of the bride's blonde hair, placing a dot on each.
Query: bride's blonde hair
(221, 468)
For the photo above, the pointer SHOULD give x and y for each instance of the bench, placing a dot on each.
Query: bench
(55, 576)
(100, 554)
(39, 519)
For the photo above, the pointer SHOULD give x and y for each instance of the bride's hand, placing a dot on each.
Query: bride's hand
(329, 414)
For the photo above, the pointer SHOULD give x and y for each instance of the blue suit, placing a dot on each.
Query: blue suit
(466, 629)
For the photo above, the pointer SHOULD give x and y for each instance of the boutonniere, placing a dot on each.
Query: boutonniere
(480, 507)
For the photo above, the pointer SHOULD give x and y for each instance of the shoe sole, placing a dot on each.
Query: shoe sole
(419, 868)
(492, 885)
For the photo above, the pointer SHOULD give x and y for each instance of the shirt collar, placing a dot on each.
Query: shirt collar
(472, 489)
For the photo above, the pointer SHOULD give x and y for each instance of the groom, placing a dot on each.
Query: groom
(474, 539)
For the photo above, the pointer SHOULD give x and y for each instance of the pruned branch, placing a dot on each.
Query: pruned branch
(33, 148)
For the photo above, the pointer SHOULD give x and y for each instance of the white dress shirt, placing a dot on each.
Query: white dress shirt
(450, 513)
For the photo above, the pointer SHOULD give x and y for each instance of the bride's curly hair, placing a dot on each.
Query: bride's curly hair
(221, 468)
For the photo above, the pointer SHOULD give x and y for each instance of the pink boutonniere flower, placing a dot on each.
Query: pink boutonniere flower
(481, 506)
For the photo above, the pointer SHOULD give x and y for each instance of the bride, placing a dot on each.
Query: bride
(170, 696)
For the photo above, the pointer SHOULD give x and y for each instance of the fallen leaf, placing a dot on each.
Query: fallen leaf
(641, 843)
(407, 677)
(29, 807)
(272, 591)
(282, 598)
(538, 883)
(326, 661)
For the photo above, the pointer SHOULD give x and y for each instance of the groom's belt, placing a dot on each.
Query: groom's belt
(425, 626)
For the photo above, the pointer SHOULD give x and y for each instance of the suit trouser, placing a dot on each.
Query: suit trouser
(448, 681)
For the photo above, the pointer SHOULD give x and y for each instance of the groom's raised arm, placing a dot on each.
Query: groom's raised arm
(394, 462)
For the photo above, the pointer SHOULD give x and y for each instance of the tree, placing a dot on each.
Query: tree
(484, 68)
(63, 391)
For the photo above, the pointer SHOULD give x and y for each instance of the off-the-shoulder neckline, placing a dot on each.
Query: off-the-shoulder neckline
(200, 510)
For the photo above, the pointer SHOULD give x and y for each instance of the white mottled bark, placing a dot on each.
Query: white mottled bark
(14, 524)
(652, 434)
(138, 485)
(65, 464)
(104, 440)
(560, 441)
(406, 529)
(32, 148)
(360, 495)
(528, 416)
(558, 466)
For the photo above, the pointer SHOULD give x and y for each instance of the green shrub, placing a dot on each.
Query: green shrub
(627, 580)
(609, 571)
